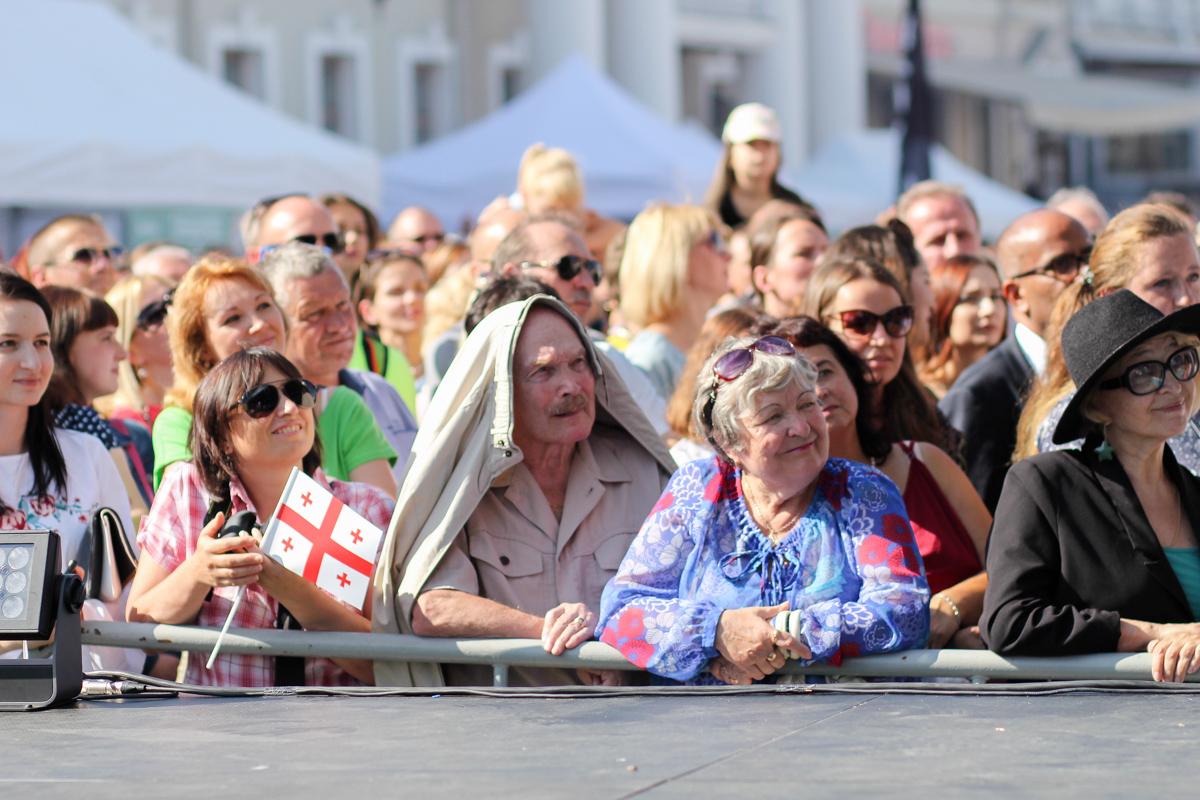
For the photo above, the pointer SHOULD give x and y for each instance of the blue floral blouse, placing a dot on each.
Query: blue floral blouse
(851, 564)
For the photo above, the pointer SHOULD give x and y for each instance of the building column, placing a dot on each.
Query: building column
(778, 77)
(838, 69)
(558, 28)
(643, 53)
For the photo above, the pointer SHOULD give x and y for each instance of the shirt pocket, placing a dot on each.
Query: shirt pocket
(509, 557)
(611, 552)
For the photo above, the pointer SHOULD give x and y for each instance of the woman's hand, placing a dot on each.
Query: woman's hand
(746, 637)
(968, 638)
(727, 672)
(567, 626)
(943, 622)
(216, 564)
(1174, 656)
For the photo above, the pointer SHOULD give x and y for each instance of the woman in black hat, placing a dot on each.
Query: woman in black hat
(1095, 549)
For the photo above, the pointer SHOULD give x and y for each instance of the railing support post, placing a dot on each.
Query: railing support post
(499, 674)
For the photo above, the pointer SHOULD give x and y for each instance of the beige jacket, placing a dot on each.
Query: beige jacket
(464, 444)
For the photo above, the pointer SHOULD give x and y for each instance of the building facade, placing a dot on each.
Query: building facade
(395, 73)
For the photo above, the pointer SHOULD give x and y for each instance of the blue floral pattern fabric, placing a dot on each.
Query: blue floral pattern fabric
(850, 564)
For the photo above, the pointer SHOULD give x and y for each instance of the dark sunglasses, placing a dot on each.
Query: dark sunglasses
(90, 255)
(429, 237)
(1064, 268)
(1146, 377)
(334, 243)
(734, 364)
(154, 314)
(262, 400)
(569, 266)
(860, 322)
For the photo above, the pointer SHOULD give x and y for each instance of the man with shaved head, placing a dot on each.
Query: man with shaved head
(416, 227)
(74, 251)
(1039, 254)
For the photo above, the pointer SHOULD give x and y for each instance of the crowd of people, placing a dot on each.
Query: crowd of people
(718, 438)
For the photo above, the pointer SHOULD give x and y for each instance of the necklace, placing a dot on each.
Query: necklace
(774, 534)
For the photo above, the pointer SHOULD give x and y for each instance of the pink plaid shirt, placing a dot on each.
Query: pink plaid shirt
(169, 534)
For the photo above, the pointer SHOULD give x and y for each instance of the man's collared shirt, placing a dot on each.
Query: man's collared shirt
(1033, 346)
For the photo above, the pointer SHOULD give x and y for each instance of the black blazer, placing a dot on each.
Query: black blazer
(1071, 552)
(985, 404)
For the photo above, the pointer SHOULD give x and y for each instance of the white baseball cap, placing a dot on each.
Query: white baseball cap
(751, 121)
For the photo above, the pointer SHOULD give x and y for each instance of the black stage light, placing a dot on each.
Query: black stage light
(35, 599)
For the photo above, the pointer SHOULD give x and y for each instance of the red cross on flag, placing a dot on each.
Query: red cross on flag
(321, 538)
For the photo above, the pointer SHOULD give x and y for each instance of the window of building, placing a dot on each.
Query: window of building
(339, 111)
(428, 78)
(1157, 152)
(244, 68)
(510, 84)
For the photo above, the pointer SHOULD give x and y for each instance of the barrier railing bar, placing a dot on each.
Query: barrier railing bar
(501, 654)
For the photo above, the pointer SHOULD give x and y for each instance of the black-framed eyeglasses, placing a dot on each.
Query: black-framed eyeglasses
(1064, 268)
(734, 364)
(1146, 377)
(333, 243)
(862, 323)
(153, 315)
(262, 400)
(569, 266)
(87, 256)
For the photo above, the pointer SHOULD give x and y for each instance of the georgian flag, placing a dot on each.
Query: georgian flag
(319, 537)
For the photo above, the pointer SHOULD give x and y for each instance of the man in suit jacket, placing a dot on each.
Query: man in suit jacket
(1039, 255)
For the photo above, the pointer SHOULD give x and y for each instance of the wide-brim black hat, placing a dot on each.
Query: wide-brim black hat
(1099, 334)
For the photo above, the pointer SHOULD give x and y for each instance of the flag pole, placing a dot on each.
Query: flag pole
(266, 544)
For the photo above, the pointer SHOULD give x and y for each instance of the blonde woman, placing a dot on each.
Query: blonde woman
(143, 378)
(221, 307)
(549, 180)
(674, 269)
(1149, 250)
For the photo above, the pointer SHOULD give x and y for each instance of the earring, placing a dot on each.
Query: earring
(142, 372)
(1104, 452)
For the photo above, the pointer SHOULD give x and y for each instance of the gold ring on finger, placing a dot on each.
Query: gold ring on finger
(580, 621)
(775, 636)
(772, 656)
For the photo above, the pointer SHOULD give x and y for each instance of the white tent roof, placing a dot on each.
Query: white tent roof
(629, 156)
(855, 177)
(96, 115)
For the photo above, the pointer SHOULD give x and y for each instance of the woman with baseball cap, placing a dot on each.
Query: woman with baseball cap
(745, 178)
(1095, 549)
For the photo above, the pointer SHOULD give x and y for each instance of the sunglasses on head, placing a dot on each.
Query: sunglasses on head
(569, 266)
(860, 322)
(1146, 377)
(262, 400)
(1062, 268)
(154, 314)
(734, 364)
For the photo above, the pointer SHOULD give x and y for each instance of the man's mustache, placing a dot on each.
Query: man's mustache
(568, 405)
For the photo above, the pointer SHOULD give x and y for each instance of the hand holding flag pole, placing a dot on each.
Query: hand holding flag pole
(317, 536)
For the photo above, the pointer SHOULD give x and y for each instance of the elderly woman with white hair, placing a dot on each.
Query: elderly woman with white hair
(770, 550)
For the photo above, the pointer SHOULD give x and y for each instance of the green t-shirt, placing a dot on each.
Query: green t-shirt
(350, 437)
(390, 363)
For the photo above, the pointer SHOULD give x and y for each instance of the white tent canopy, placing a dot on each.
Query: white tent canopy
(855, 177)
(629, 156)
(95, 115)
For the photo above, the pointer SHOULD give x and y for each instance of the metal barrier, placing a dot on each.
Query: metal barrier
(501, 654)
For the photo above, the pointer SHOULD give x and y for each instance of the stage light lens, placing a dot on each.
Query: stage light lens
(18, 557)
(13, 607)
(15, 583)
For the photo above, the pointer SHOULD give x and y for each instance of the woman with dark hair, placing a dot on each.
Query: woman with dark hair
(785, 245)
(746, 177)
(948, 519)
(253, 423)
(359, 228)
(969, 318)
(87, 359)
(50, 478)
(892, 245)
(864, 304)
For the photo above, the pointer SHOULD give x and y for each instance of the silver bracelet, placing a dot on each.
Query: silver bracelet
(953, 605)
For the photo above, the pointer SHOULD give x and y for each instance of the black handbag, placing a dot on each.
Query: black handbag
(106, 557)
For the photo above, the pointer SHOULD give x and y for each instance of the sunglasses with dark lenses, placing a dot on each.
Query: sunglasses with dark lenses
(87, 256)
(1146, 377)
(1064, 268)
(334, 242)
(569, 266)
(860, 322)
(734, 364)
(153, 315)
(262, 400)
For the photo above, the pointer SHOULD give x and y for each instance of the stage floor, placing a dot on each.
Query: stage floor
(1092, 745)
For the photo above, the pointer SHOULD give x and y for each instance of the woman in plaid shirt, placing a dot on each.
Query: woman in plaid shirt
(253, 423)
